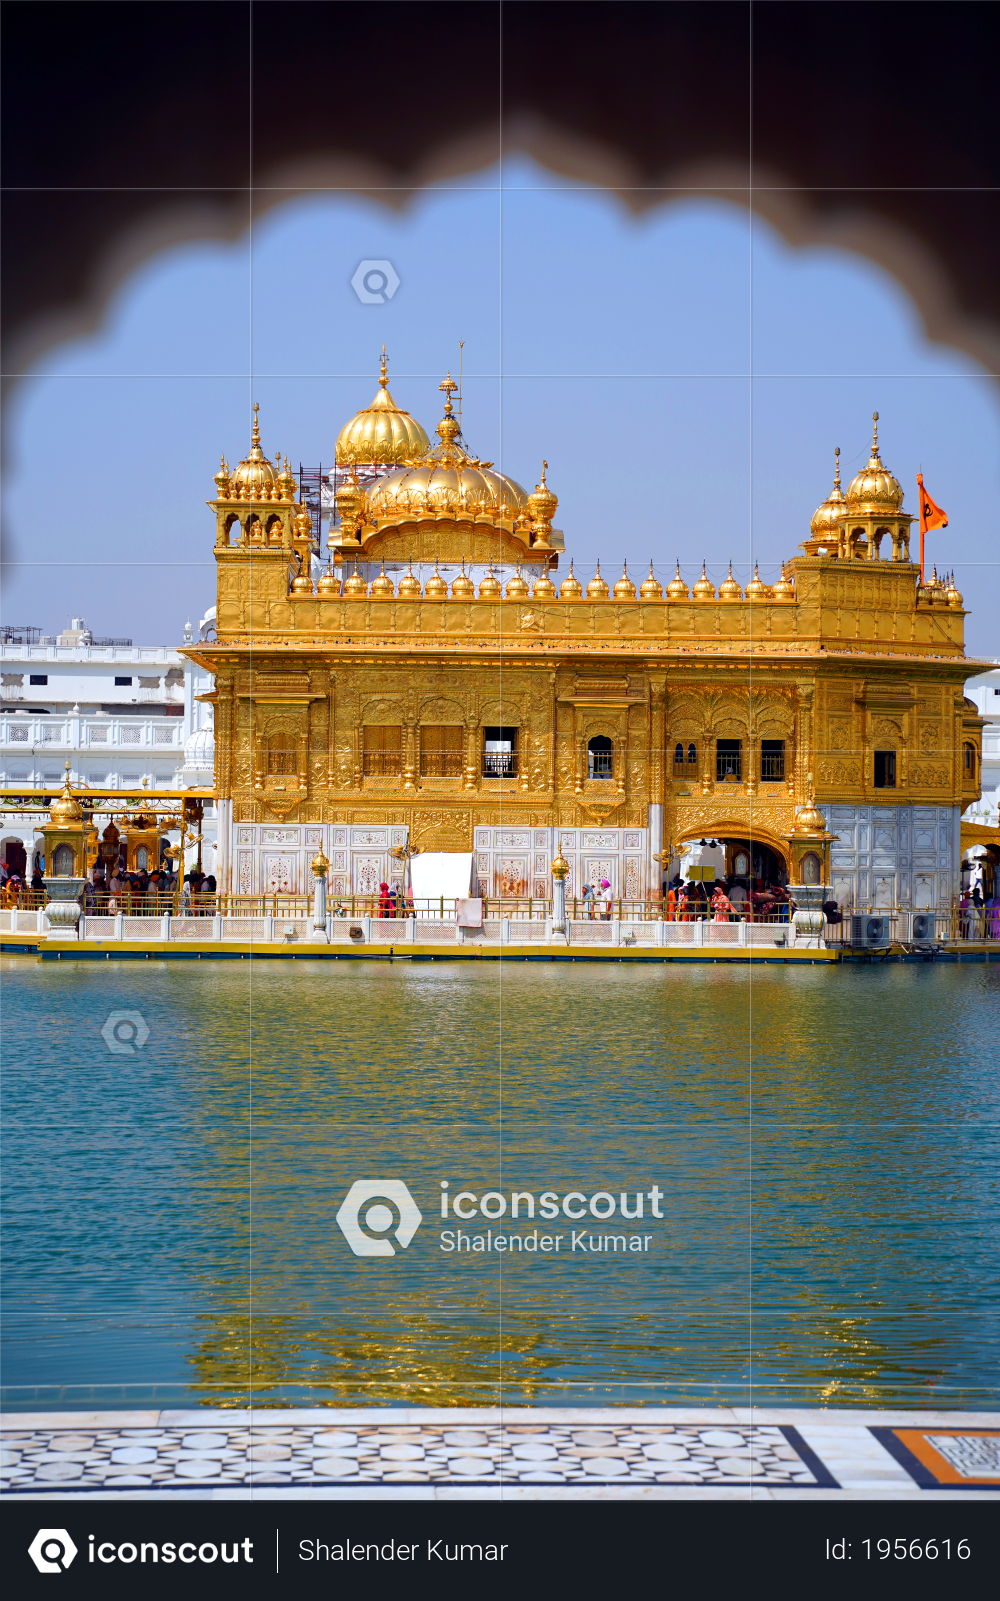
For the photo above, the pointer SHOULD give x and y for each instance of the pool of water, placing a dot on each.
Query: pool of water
(821, 1144)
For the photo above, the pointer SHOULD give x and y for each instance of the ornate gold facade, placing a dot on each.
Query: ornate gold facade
(371, 698)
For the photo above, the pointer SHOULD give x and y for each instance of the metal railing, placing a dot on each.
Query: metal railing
(500, 763)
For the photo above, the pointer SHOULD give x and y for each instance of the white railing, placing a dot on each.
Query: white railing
(109, 732)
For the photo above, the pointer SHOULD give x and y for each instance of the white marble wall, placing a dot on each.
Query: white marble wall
(269, 857)
(894, 856)
(518, 860)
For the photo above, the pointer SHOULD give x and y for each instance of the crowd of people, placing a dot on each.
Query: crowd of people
(728, 901)
(978, 918)
(132, 893)
(395, 902)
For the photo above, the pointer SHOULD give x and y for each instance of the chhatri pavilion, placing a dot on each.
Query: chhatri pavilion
(439, 678)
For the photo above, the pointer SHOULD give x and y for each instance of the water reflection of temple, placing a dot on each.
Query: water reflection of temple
(440, 676)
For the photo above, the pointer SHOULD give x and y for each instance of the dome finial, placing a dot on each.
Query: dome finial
(383, 374)
(875, 433)
(836, 470)
(255, 436)
(449, 386)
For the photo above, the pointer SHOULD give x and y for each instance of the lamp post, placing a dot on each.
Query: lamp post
(405, 854)
(318, 936)
(560, 871)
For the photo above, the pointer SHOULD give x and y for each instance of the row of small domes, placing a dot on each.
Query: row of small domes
(463, 588)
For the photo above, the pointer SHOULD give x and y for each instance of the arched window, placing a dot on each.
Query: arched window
(142, 859)
(678, 753)
(62, 862)
(679, 760)
(969, 763)
(600, 757)
(692, 755)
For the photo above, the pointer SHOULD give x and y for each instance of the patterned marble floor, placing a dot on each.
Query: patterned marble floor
(322, 1452)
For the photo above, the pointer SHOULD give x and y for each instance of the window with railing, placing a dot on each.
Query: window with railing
(600, 757)
(728, 760)
(282, 762)
(500, 752)
(383, 754)
(685, 762)
(772, 761)
(885, 769)
(441, 751)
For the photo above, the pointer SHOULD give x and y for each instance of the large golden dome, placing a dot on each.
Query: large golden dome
(874, 485)
(382, 434)
(254, 472)
(825, 517)
(448, 479)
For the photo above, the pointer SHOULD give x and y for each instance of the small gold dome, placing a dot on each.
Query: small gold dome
(704, 589)
(383, 587)
(874, 485)
(320, 864)
(954, 597)
(826, 517)
(302, 585)
(67, 808)
(729, 589)
(286, 481)
(409, 585)
(329, 583)
(517, 589)
(624, 589)
(809, 820)
(435, 587)
(355, 587)
(784, 589)
(489, 589)
(651, 588)
(571, 587)
(677, 589)
(542, 504)
(543, 587)
(382, 434)
(462, 587)
(597, 589)
(756, 588)
(560, 866)
(938, 595)
(222, 480)
(254, 475)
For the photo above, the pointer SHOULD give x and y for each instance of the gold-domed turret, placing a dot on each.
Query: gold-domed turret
(826, 516)
(489, 588)
(784, 589)
(254, 477)
(462, 587)
(329, 583)
(66, 809)
(222, 480)
(651, 588)
(383, 587)
(756, 588)
(597, 589)
(624, 589)
(302, 585)
(517, 589)
(543, 588)
(286, 481)
(542, 505)
(874, 485)
(571, 587)
(704, 589)
(729, 589)
(677, 589)
(409, 585)
(435, 587)
(355, 587)
(952, 593)
(383, 434)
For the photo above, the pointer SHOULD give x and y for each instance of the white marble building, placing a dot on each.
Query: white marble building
(985, 691)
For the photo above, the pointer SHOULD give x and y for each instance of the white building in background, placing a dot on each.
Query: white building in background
(125, 716)
(985, 692)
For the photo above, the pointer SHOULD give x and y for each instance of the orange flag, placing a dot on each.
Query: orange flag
(931, 516)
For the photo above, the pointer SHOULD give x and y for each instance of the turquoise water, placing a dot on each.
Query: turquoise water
(824, 1143)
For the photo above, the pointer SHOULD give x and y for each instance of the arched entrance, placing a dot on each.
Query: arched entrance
(749, 854)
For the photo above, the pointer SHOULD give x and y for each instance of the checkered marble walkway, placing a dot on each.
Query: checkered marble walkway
(330, 1454)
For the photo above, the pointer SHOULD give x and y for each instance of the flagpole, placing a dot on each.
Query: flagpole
(920, 492)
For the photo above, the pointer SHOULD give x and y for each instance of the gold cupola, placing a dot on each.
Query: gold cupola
(222, 480)
(677, 589)
(462, 587)
(543, 588)
(825, 518)
(254, 478)
(597, 589)
(756, 588)
(302, 585)
(517, 589)
(355, 588)
(409, 585)
(704, 589)
(874, 486)
(729, 589)
(383, 587)
(66, 808)
(542, 505)
(329, 583)
(953, 595)
(651, 588)
(435, 587)
(571, 587)
(784, 589)
(383, 434)
(624, 589)
(489, 588)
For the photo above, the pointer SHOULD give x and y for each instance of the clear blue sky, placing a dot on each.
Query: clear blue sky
(685, 373)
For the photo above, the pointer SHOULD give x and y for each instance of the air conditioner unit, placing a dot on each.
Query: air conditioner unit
(922, 928)
(870, 931)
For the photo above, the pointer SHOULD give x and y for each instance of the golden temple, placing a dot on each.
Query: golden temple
(432, 685)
